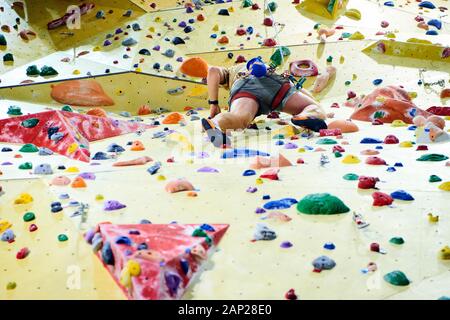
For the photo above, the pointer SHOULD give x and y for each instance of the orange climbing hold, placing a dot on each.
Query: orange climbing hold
(78, 182)
(137, 146)
(223, 40)
(81, 93)
(195, 67)
(178, 186)
(173, 118)
(133, 162)
(346, 126)
(97, 112)
(445, 93)
(266, 162)
(144, 110)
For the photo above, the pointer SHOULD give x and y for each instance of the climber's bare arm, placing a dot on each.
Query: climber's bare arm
(214, 80)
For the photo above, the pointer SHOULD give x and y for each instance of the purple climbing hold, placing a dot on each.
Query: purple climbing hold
(252, 189)
(111, 205)
(286, 244)
(44, 168)
(207, 169)
(260, 211)
(87, 175)
(172, 282)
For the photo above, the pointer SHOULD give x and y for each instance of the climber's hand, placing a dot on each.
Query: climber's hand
(214, 110)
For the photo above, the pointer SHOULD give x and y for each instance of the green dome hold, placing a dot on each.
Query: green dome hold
(326, 141)
(29, 216)
(33, 71)
(3, 41)
(397, 240)
(62, 238)
(247, 3)
(278, 136)
(351, 176)
(48, 71)
(321, 203)
(277, 57)
(337, 154)
(272, 6)
(30, 123)
(434, 178)
(432, 157)
(26, 166)
(396, 278)
(29, 147)
(8, 57)
(14, 111)
(67, 109)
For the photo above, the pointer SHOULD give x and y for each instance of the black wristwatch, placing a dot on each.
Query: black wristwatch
(213, 102)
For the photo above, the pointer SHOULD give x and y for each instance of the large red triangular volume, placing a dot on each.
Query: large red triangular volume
(75, 131)
(156, 261)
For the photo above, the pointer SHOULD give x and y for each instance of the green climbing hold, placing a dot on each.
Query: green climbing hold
(347, 83)
(434, 178)
(14, 111)
(278, 136)
(48, 71)
(337, 154)
(397, 240)
(29, 147)
(67, 108)
(62, 238)
(330, 59)
(199, 233)
(351, 176)
(432, 157)
(26, 166)
(30, 123)
(33, 71)
(3, 40)
(247, 3)
(29, 216)
(396, 278)
(316, 26)
(326, 141)
(321, 203)
(8, 57)
(272, 6)
(278, 55)
(11, 286)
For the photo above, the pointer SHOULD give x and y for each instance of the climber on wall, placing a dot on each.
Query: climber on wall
(254, 91)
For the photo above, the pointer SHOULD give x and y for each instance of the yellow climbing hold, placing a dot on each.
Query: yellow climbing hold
(97, 48)
(76, 72)
(216, 27)
(131, 269)
(406, 144)
(432, 218)
(447, 118)
(72, 148)
(398, 123)
(161, 177)
(341, 59)
(444, 253)
(24, 198)
(354, 77)
(412, 95)
(351, 159)
(151, 29)
(445, 186)
(231, 9)
(390, 35)
(99, 197)
(138, 69)
(72, 169)
(301, 150)
(119, 92)
(357, 36)
(259, 181)
(189, 161)
(287, 131)
(158, 19)
(353, 14)
(4, 225)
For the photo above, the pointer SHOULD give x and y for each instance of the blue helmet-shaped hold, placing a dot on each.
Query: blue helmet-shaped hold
(257, 67)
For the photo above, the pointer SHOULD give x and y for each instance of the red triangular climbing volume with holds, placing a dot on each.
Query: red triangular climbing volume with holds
(156, 261)
(75, 130)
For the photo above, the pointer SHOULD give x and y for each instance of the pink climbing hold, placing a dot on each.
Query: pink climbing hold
(391, 139)
(369, 152)
(381, 199)
(338, 148)
(178, 186)
(351, 94)
(376, 161)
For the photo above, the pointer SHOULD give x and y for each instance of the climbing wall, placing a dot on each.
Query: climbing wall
(61, 265)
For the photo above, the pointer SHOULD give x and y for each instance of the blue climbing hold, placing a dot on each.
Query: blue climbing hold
(207, 227)
(427, 4)
(402, 195)
(389, 4)
(391, 169)
(154, 168)
(284, 203)
(6, 149)
(370, 140)
(431, 33)
(377, 81)
(435, 23)
(329, 246)
(184, 264)
(398, 164)
(266, 197)
(249, 173)
(412, 128)
(237, 153)
(123, 240)
(142, 246)
(107, 254)
(100, 156)
(379, 147)
(279, 142)
(145, 221)
(114, 147)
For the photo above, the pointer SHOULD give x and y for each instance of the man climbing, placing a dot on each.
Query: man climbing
(254, 90)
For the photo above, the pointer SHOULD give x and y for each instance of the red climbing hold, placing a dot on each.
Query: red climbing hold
(375, 247)
(381, 199)
(241, 31)
(240, 59)
(300, 161)
(422, 147)
(377, 122)
(200, 17)
(255, 6)
(271, 174)
(338, 148)
(23, 253)
(439, 111)
(330, 132)
(391, 139)
(290, 295)
(223, 40)
(269, 42)
(268, 22)
(367, 182)
(351, 95)
(376, 161)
